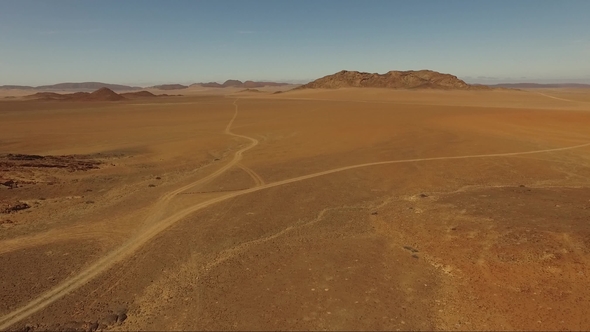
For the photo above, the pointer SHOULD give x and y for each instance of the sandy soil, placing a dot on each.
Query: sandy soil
(321, 209)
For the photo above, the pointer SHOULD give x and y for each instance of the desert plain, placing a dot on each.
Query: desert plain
(340, 209)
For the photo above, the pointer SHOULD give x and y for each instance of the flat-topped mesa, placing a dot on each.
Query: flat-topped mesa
(421, 79)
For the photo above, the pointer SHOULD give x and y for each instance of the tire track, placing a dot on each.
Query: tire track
(552, 97)
(257, 179)
(154, 228)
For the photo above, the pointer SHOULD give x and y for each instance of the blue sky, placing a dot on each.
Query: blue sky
(150, 42)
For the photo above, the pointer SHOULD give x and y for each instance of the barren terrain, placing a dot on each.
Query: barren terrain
(342, 209)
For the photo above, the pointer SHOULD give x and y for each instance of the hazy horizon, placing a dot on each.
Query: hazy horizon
(152, 42)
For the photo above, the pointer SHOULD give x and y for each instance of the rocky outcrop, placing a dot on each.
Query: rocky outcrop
(422, 79)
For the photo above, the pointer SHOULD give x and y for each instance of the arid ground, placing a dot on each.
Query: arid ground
(347, 209)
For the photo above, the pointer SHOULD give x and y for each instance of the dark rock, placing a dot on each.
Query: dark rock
(374, 213)
(93, 327)
(11, 184)
(410, 249)
(423, 195)
(122, 317)
(110, 319)
(24, 157)
(16, 207)
(151, 185)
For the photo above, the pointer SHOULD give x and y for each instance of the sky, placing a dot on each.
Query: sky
(146, 42)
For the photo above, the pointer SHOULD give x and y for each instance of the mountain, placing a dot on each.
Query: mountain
(16, 87)
(102, 94)
(208, 85)
(232, 83)
(169, 87)
(252, 84)
(421, 79)
(540, 86)
(239, 84)
(88, 86)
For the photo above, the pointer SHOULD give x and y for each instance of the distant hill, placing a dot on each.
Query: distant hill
(540, 86)
(102, 94)
(138, 94)
(239, 84)
(422, 79)
(16, 87)
(208, 85)
(232, 83)
(170, 87)
(87, 86)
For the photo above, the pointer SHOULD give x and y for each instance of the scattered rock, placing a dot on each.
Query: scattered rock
(110, 319)
(70, 163)
(11, 184)
(93, 327)
(13, 207)
(122, 317)
(11, 156)
(158, 178)
(415, 256)
(410, 249)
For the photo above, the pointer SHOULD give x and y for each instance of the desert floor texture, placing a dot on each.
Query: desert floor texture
(348, 209)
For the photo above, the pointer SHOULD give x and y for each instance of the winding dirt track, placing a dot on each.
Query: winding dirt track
(155, 225)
